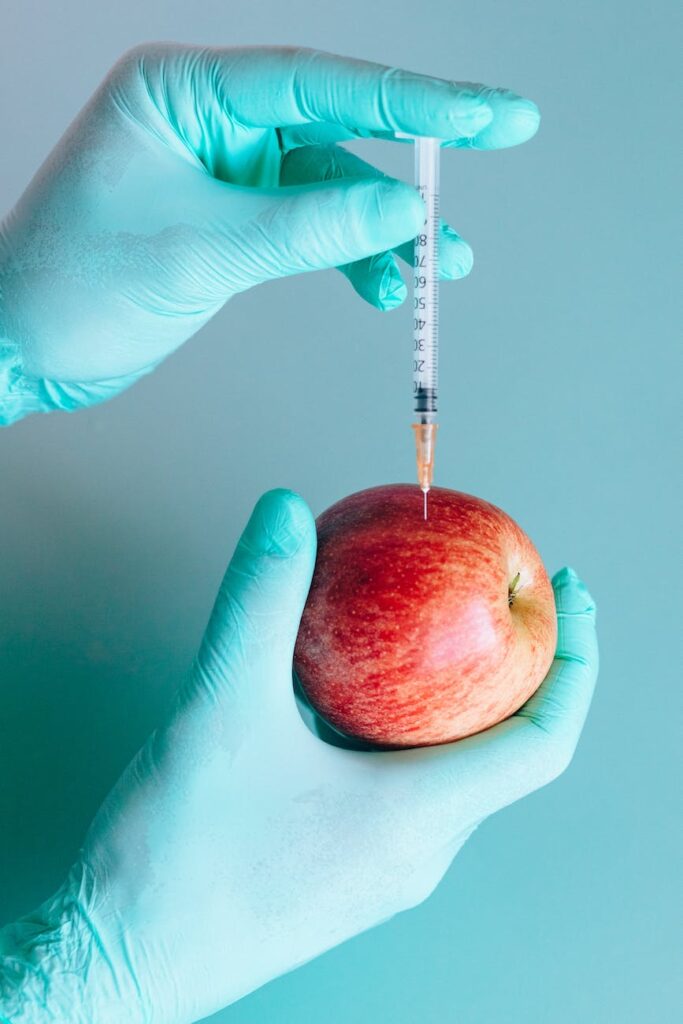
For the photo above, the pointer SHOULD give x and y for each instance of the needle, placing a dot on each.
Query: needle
(425, 492)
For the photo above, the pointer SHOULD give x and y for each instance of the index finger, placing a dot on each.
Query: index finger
(287, 86)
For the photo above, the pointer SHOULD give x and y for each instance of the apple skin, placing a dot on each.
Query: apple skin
(410, 635)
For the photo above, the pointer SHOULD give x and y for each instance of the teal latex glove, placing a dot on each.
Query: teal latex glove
(181, 183)
(238, 845)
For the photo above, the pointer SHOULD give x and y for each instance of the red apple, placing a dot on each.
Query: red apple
(419, 632)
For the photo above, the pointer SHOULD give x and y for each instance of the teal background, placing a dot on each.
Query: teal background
(561, 382)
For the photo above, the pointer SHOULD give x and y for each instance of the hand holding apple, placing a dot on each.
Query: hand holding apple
(237, 845)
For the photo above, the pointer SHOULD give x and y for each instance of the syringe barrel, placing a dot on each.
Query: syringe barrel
(426, 281)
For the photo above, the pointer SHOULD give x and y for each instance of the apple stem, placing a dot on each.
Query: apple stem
(512, 588)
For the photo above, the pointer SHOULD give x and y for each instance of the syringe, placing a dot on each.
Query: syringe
(426, 312)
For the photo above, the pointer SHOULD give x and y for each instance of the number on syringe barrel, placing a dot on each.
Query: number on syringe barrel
(421, 260)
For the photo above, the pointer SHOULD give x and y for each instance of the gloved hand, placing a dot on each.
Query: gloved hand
(182, 182)
(237, 845)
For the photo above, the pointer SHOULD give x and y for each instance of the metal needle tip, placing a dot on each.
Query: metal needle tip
(425, 492)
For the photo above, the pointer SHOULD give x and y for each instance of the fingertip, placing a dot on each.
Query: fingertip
(523, 119)
(392, 289)
(280, 524)
(515, 120)
(378, 280)
(564, 577)
(457, 258)
(401, 204)
(571, 593)
(376, 217)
